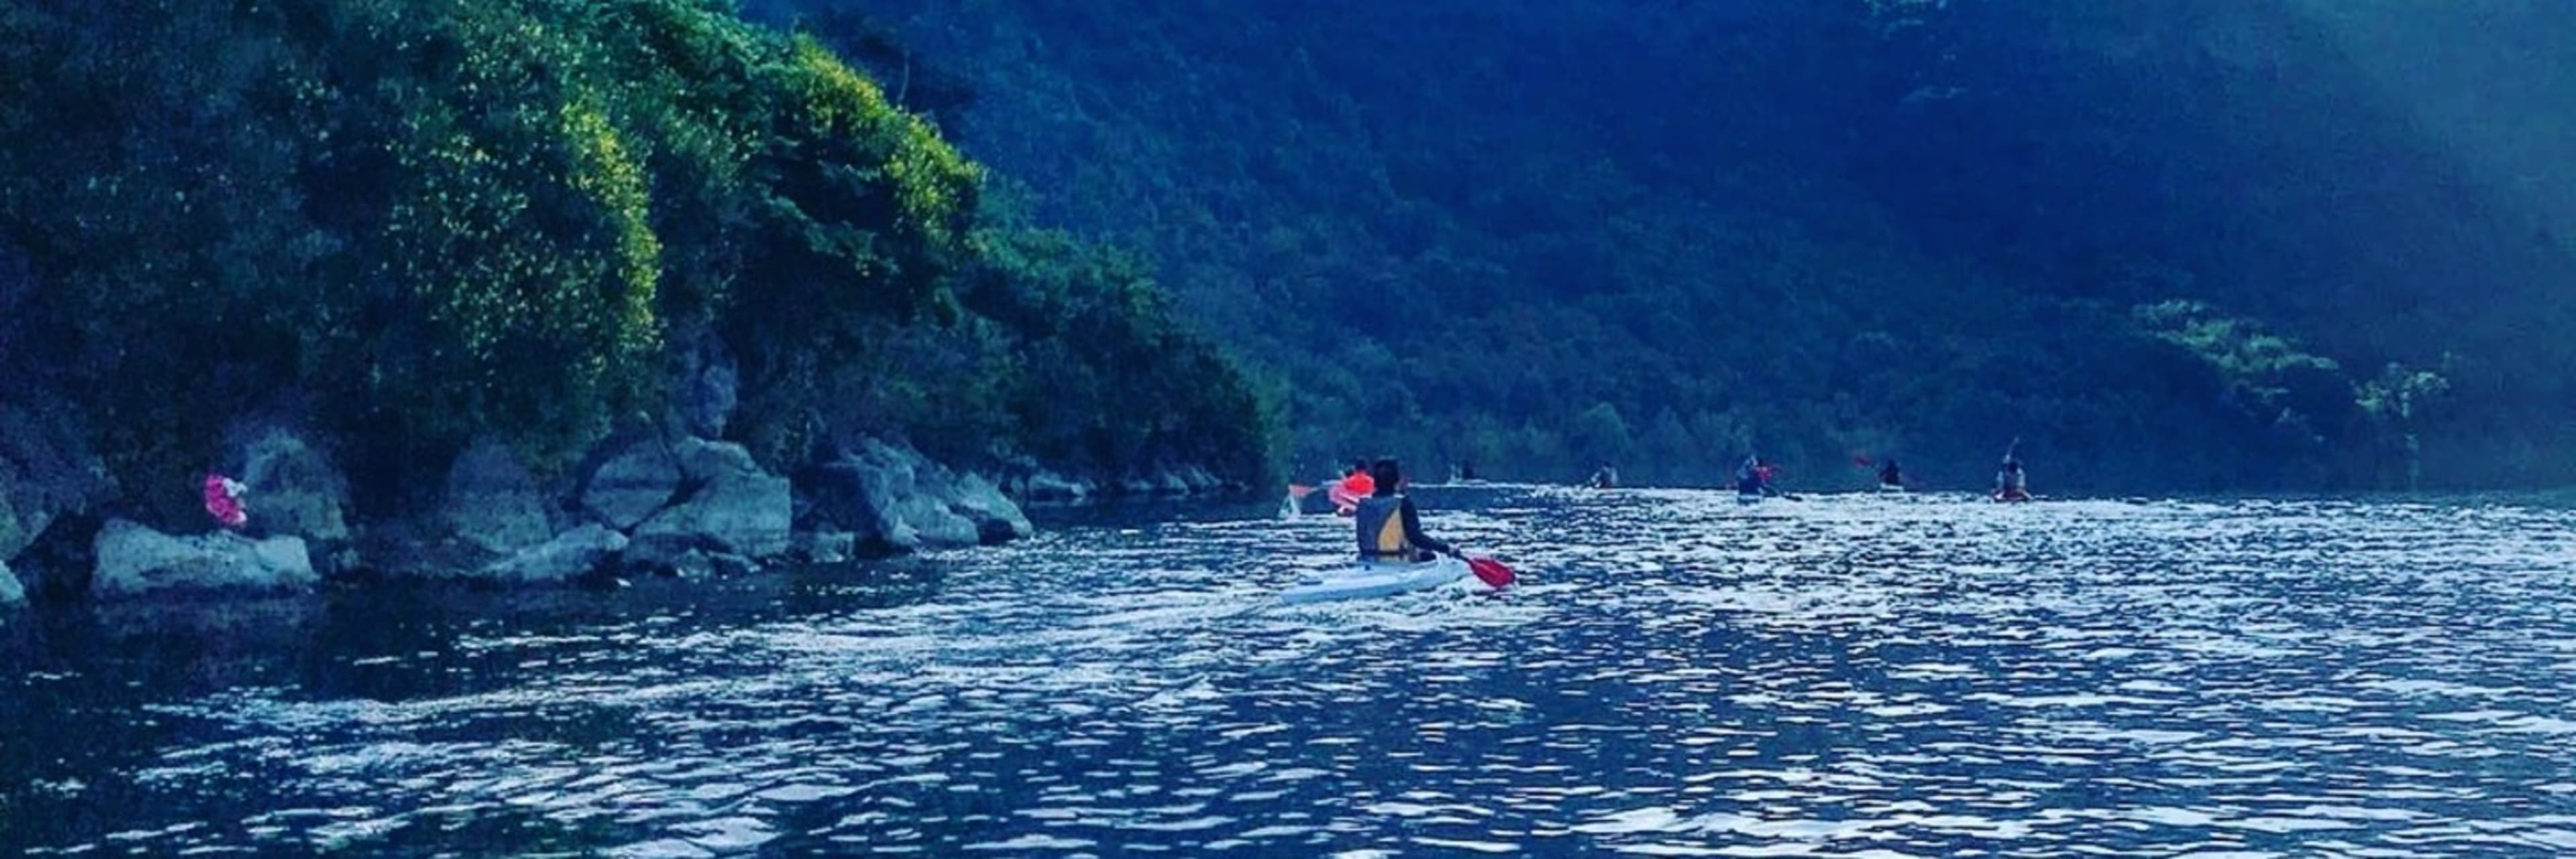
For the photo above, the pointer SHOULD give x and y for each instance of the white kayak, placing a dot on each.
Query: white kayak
(1363, 580)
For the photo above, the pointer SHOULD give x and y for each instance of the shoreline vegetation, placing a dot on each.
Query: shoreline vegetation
(545, 290)
(533, 290)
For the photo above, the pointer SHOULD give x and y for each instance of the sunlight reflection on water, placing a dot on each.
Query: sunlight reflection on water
(1680, 675)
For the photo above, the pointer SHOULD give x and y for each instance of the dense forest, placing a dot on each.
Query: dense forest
(2201, 244)
(412, 224)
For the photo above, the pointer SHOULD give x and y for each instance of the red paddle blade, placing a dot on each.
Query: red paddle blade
(1299, 490)
(1491, 572)
(1861, 461)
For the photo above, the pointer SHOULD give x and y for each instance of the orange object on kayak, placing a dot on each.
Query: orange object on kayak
(1360, 485)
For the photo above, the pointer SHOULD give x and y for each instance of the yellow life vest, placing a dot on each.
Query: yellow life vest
(1381, 529)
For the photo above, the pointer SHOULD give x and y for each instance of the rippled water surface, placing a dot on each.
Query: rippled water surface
(1679, 676)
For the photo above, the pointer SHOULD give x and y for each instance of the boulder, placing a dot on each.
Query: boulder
(997, 520)
(568, 557)
(11, 592)
(727, 505)
(890, 499)
(294, 490)
(134, 561)
(732, 565)
(493, 503)
(46, 470)
(1049, 487)
(62, 560)
(21, 518)
(894, 499)
(632, 484)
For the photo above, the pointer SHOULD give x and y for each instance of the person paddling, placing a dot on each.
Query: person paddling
(1889, 476)
(2010, 483)
(1389, 528)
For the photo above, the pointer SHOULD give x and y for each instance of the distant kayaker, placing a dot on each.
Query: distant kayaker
(2010, 483)
(1390, 530)
(1605, 477)
(1889, 476)
(1752, 478)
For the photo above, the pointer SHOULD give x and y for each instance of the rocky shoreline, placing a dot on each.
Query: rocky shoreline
(663, 502)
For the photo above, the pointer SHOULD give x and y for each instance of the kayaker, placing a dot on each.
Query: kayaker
(2010, 483)
(1390, 530)
(1354, 485)
(1357, 481)
(1605, 477)
(1889, 475)
(1752, 478)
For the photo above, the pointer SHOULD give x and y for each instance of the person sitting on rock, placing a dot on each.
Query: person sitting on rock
(224, 501)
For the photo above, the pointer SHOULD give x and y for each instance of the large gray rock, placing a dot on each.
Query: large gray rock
(568, 557)
(894, 500)
(294, 489)
(46, 471)
(135, 561)
(493, 503)
(728, 505)
(11, 592)
(21, 521)
(1049, 487)
(997, 520)
(632, 485)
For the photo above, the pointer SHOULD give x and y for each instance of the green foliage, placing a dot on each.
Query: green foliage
(2267, 373)
(2396, 404)
(424, 221)
(1821, 229)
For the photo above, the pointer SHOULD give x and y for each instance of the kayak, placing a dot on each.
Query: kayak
(1748, 498)
(1363, 580)
(2011, 496)
(1891, 488)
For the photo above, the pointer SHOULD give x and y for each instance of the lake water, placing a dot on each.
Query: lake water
(1679, 675)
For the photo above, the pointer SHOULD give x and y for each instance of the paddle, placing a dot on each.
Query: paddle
(1491, 572)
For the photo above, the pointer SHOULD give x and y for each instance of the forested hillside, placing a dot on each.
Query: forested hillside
(411, 225)
(2204, 244)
